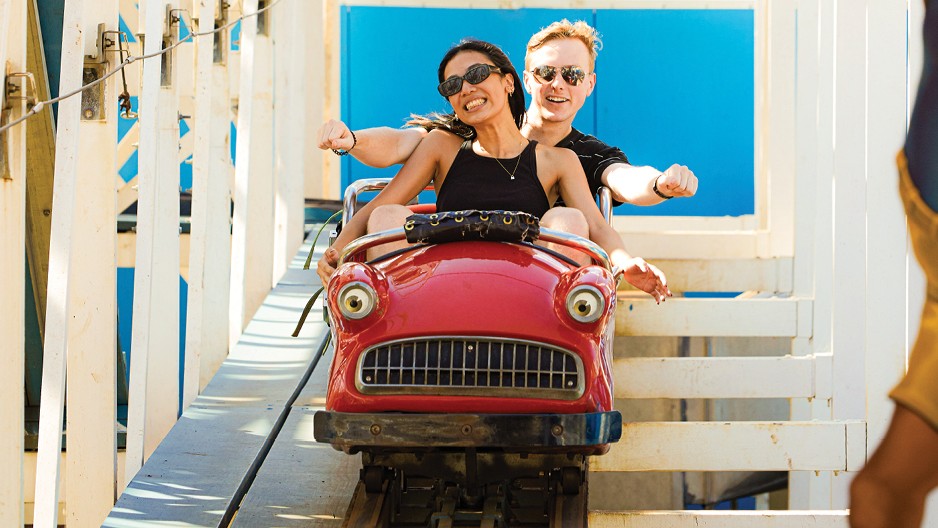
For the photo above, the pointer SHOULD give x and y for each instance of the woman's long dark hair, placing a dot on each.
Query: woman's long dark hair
(452, 123)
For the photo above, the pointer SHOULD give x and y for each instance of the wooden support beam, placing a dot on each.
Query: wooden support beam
(40, 162)
(290, 133)
(750, 446)
(638, 315)
(252, 233)
(81, 320)
(696, 244)
(154, 362)
(725, 275)
(12, 262)
(716, 377)
(778, 126)
(719, 519)
(886, 226)
(209, 265)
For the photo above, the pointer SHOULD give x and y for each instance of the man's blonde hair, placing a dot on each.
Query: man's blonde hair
(579, 30)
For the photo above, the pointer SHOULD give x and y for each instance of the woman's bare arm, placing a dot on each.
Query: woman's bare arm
(409, 181)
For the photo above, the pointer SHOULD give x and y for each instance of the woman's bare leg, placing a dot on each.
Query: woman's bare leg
(568, 220)
(386, 217)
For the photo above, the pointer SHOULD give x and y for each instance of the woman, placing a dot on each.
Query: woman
(495, 168)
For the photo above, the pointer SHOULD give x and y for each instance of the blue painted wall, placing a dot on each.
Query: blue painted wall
(673, 86)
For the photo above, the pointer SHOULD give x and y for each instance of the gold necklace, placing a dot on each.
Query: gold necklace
(512, 173)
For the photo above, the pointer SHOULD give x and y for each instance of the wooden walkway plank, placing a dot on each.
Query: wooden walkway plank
(208, 457)
(302, 482)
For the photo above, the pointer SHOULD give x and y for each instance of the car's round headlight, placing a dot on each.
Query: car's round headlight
(585, 304)
(356, 300)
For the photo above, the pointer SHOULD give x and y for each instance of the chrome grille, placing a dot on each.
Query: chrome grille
(471, 366)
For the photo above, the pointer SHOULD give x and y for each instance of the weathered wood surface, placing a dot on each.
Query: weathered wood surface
(719, 519)
(638, 315)
(302, 483)
(717, 377)
(211, 452)
(744, 446)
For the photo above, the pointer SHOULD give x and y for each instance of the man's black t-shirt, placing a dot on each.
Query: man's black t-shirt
(594, 156)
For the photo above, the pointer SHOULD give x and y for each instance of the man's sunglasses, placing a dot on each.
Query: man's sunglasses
(474, 75)
(574, 75)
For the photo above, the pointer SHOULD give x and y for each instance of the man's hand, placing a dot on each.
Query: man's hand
(646, 277)
(335, 135)
(678, 181)
(326, 266)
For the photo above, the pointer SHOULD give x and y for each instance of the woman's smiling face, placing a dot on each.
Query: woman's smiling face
(475, 102)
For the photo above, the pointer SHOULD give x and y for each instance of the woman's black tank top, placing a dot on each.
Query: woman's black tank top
(477, 182)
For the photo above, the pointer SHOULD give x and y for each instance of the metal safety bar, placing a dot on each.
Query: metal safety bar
(588, 247)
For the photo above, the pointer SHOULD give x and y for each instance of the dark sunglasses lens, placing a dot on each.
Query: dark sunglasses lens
(544, 73)
(574, 75)
(477, 74)
(450, 86)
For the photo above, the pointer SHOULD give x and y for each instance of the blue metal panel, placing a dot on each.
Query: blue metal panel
(673, 85)
(390, 57)
(676, 86)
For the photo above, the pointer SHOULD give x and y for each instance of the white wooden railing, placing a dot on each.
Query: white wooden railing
(215, 87)
(832, 94)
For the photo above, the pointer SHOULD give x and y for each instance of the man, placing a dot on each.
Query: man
(559, 75)
(891, 490)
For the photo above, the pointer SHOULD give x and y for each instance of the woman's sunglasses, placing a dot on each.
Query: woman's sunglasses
(574, 75)
(474, 75)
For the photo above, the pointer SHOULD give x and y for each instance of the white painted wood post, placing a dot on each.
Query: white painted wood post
(210, 238)
(849, 243)
(12, 265)
(886, 226)
(154, 379)
(81, 318)
(779, 126)
(331, 183)
(313, 39)
(813, 269)
(252, 233)
(291, 132)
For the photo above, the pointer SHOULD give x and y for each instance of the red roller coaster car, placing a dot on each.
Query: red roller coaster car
(477, 361)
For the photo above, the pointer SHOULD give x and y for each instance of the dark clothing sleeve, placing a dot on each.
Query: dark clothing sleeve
(923, 127)
(595, 156)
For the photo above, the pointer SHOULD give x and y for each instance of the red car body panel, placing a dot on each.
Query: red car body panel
(466, 289)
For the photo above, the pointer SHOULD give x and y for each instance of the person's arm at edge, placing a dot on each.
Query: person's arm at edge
(635, 184)
(409, 181)
(576, 193)
(376, 147)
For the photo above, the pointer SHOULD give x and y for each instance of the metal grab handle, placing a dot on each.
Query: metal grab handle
(583, 245)
(350, 199)
(366, 242)
(605, 203)
(586, 246)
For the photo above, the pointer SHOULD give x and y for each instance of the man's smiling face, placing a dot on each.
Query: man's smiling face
(558, 100)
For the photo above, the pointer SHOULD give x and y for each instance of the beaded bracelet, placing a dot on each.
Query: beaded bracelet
(659, 193)
(345, 152)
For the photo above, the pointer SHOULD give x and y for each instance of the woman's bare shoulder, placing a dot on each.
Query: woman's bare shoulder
(556, 155)
(441, 138)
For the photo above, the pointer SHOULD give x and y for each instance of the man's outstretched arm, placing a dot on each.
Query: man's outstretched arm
(637, 185)
(376, 147)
